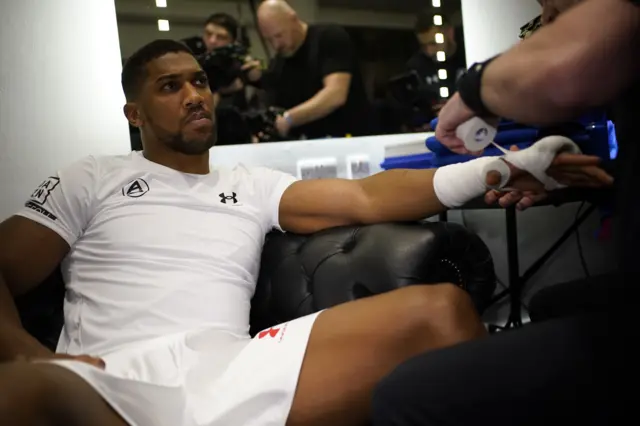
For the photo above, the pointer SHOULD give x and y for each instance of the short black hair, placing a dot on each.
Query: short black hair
(225, 21)
(424, 21)
(134, 71)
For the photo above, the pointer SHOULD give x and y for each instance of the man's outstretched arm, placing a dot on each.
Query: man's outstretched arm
(411, 195)
(395, 195)
(584, 59)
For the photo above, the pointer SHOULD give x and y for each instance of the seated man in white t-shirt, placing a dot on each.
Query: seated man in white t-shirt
(160, 256)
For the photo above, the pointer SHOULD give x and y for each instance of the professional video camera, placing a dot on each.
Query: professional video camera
(409, 90)
(222, 65)
(414, 102)
(262, 123)
(236, 127)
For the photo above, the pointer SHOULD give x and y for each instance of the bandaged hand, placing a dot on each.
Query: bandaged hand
(571, 170)
(521, 177)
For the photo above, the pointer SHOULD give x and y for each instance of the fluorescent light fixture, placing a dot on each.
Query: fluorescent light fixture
(436, 3)
(444, 92)
(441, 56)
(163, 25)
(161, 3)
(442, 74)
(439, 38)
(437, 20)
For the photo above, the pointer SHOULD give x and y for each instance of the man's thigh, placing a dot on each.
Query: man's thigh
(559, 370)
(47, 394)
(354, 345)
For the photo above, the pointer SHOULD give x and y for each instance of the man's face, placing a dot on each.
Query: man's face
(216, 36)
(280, 34)
(429, 44)
(551, 9)
(175, 105)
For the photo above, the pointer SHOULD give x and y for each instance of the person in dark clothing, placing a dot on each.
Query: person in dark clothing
(315, 76)
(578, 367)
(221, 30)
(440, 60)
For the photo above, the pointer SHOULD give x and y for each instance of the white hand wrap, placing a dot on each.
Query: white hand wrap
(457, 184)
(537, 159)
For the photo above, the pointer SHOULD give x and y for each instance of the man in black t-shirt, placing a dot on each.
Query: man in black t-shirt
(435, 73)
(315, 76)
(579, 366)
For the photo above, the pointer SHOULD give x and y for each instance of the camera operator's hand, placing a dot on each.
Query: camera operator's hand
(253, 68)
(283, 125)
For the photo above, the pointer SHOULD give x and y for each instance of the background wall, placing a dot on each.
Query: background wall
(60, 94)
(492, 26)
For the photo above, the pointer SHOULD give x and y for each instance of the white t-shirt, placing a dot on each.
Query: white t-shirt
(155, 251)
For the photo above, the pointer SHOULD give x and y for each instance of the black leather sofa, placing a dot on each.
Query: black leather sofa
(303, 274)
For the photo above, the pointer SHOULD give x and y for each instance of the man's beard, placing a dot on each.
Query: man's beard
(177, 142)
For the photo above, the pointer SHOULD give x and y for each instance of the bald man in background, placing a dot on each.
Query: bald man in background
(315, 76)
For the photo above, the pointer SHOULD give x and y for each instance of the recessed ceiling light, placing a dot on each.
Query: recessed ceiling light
(163, 25)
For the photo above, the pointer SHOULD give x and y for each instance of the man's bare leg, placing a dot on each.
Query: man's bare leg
(49, 395)
(354, 345)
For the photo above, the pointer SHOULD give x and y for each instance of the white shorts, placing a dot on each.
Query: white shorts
(204, 378)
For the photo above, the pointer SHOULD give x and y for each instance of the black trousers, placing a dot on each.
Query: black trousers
(574, 370)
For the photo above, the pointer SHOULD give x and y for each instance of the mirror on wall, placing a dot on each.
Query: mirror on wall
(333, 68)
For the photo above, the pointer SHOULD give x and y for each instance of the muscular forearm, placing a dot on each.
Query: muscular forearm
(322, 104)
(14, 340)
(401, 195)
(582, 60)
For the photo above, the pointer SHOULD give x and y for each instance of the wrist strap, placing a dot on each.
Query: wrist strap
(469, 88)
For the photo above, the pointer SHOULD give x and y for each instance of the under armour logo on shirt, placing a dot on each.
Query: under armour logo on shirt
(224, 198)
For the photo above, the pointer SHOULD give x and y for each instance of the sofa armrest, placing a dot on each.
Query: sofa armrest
(304, 274)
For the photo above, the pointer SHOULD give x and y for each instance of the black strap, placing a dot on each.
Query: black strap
(469, 86)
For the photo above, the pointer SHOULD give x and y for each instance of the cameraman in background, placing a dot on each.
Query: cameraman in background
(223, 53)
(220, 31)
(315, 77)
(426, 64)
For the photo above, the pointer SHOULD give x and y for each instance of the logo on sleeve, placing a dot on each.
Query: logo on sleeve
(135, 189)
(42, 192)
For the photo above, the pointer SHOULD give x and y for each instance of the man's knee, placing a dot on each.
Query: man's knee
(443, 309)
(441, 303)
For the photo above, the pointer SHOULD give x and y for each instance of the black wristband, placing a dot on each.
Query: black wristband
(469, 86)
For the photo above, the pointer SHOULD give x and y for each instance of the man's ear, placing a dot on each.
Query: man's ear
(132, 113)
